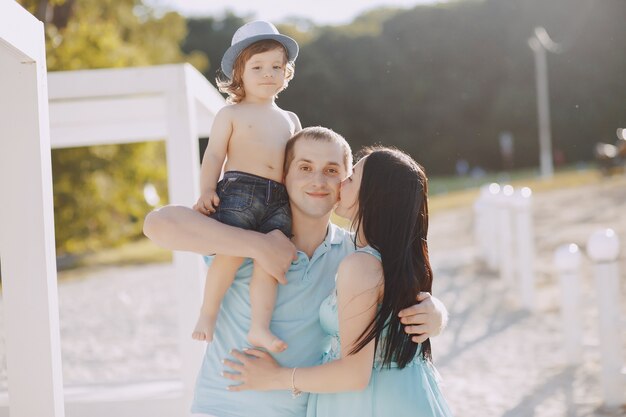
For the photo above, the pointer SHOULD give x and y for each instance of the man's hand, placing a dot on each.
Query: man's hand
(255, 370)
(207, 203)
(425, 319)
(275, 255)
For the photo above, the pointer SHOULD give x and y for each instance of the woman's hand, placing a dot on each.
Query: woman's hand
(257, 370)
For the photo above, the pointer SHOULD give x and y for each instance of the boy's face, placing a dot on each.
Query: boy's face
(314, 176)
(264, 74)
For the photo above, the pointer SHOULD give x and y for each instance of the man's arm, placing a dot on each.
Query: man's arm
(425, 319)
(181, 228)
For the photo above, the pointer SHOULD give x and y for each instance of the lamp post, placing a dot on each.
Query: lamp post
(540, 42)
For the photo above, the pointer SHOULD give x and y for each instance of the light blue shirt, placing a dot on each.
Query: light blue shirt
(295, 320)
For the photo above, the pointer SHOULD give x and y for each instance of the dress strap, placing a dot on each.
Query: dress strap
(370, 250)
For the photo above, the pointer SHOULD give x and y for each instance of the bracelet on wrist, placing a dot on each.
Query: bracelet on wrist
(295, 392)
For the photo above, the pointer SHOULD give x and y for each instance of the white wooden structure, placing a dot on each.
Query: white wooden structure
(26, 220)
(174, 103)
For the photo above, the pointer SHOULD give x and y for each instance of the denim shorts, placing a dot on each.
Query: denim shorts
(254, 203)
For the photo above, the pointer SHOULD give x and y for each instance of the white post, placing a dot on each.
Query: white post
(603, 249)
(567, 262)
(480, 220)
(543, 107)
(29, 286)
(491, 226)
(183, 163)
(505, 233)
(524, 236)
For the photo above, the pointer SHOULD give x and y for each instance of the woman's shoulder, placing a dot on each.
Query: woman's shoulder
(360, 269)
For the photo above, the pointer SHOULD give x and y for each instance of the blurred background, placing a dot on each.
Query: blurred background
(453, 83)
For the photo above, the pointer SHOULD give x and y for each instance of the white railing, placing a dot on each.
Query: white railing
(26, 228)
(173, 103)
(505, 240)
(603, 250)
(503, 229)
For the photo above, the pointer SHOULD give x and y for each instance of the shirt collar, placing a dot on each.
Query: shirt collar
(333, 237)
(334, 234)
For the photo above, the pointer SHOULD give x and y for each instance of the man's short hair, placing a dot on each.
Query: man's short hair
(322, 134)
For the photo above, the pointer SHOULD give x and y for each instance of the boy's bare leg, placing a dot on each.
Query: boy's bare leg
(262, 300)
(219, 277)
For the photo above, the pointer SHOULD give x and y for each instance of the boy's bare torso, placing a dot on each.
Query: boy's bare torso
(258, 138)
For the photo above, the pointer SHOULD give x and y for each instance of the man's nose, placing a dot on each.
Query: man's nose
(319, 178)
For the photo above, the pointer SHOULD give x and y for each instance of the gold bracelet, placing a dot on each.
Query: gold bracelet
(295, 392)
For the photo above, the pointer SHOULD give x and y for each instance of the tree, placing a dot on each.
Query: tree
(442, 81)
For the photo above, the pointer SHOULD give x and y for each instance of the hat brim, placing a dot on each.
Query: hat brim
(231, 54)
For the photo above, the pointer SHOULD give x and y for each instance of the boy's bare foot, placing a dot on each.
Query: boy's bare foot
(204, 327)
(261, 337)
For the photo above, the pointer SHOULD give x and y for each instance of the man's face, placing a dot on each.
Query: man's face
(314, 176)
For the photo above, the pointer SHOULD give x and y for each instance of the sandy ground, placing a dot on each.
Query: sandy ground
(495, 358)
(119, 324)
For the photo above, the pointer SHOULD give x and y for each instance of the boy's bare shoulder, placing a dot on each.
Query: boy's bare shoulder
(229, 111)
(236, 113)
(294, 118)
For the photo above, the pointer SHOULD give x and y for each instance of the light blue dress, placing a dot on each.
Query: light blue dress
(392, 392)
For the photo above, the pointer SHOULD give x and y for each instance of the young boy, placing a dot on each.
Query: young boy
(248, 139)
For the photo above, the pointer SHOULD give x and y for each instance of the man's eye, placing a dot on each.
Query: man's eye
(305, 168)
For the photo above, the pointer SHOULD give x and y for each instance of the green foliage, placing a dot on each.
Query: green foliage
(211, 37)
(90, 34)
(443, 81)
(98, 193)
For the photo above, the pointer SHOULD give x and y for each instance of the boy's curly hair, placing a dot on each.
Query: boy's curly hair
(234, 86)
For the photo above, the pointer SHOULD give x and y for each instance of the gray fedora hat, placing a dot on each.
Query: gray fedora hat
(253, 32)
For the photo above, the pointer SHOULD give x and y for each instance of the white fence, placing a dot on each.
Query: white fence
(503, 229)
(505, 239)
(26, 221)
(603, 249)
(174, 103)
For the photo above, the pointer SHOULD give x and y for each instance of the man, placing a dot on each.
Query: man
(316, 160)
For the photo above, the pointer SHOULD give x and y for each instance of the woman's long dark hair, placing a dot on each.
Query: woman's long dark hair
(393, 217)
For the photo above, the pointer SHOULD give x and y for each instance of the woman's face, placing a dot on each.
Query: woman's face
(349, 194)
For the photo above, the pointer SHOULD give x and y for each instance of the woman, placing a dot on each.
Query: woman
(372, 367)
